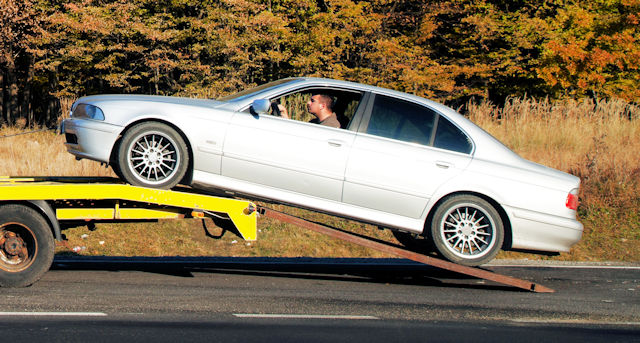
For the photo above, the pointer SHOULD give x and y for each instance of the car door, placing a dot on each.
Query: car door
(287, 154)
(403, 152)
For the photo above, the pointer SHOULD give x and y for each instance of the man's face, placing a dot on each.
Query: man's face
(314, 105)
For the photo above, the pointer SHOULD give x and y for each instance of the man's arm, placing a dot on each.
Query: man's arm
(283, 111)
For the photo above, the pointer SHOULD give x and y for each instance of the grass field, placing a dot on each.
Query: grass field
(597, 141)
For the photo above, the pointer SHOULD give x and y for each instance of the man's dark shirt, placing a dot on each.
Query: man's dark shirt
(332, 121)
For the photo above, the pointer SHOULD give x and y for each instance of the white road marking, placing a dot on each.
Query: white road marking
(53, 314)
(497, 264)
(303, 316)
(570, 321)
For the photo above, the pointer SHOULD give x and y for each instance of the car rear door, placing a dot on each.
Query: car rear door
(396, 162)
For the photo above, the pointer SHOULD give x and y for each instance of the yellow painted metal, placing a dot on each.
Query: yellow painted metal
(84, 213)
(142, 213)
(9, 179)
(95, 189)
(116, 213)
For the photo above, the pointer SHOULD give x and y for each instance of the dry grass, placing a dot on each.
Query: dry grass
(580, 137)
(599, 142)
(38, 151)
(187, 238)
(42, 153)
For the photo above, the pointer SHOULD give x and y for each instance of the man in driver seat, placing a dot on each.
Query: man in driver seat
(321, 106)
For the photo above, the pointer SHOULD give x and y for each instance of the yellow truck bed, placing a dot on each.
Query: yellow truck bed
(90, 198)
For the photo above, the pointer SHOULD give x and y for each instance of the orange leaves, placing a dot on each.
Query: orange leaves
(450, 50)
(594, 49)
(18, 24)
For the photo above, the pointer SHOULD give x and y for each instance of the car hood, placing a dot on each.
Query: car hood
(99, 99)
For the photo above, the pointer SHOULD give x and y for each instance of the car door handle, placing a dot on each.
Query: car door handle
(444, 165)
(335, 143)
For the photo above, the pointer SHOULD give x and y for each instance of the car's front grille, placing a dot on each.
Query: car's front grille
(71, 138)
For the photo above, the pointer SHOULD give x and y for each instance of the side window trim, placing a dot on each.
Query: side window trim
(355, 123)
(435, 128)
(366, 115)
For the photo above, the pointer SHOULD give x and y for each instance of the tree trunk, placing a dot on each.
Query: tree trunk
(27, 109)
(2, 88)
(53, 103)
(156, 80)
(12, 85)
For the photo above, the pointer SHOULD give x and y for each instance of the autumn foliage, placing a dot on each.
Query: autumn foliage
(450, 50)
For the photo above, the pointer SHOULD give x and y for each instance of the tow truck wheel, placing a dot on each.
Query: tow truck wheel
(26, 246)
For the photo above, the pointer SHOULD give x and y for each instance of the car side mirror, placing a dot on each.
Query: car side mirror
(261, 106)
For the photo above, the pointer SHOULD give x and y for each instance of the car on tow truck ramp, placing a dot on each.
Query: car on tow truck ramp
(398, 161)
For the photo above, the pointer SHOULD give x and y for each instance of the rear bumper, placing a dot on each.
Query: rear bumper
(543, 232)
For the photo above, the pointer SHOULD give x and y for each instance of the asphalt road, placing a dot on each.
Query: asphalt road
(281, 300)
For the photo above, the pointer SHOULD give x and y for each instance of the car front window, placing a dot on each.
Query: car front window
(253, 91)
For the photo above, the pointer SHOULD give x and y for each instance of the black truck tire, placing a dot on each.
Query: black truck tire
(26, 245)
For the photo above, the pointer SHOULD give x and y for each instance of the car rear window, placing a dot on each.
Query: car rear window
(449, 137)
(402, 120)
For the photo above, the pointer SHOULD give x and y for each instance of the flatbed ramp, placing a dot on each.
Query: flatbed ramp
(32, 208)
(392, 249)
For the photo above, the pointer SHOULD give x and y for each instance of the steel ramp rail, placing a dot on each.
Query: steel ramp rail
(391, 249)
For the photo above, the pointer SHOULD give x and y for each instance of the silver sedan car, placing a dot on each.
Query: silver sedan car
(397, 161)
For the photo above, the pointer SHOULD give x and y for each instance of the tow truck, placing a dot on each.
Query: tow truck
(35, 210)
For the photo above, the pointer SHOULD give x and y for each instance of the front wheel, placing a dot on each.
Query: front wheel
(467, 230)
(26, 246)
(152, 155)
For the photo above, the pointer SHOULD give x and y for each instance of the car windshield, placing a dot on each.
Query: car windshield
(251, 91)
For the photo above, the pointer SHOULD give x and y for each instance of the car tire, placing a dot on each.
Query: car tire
(26, 246)
(154, 155)
(115, 166)
(467, 230)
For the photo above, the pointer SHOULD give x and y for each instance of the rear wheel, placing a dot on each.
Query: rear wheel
(26, 246)
(467, 230)
(152, 155)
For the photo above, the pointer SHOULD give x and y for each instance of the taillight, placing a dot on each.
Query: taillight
(572, 201)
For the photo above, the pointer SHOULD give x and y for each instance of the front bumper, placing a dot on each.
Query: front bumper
(91, 139)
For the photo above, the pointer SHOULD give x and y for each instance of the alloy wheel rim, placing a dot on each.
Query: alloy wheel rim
(467, 231)
(153, 158)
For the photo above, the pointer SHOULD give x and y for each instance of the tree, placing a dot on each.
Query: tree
(449, 50)
(594, 50)
(18, 25)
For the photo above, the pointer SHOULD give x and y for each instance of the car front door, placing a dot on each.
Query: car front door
(286, 154)
(397, 160)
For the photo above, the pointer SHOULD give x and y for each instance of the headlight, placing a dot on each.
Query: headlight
(87, 111)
